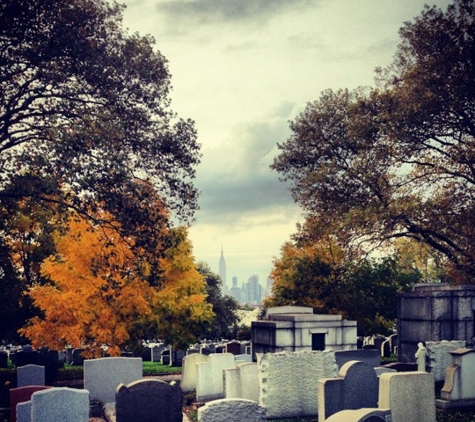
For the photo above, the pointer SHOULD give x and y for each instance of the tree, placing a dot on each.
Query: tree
(373, 165)
(84, 114)
(321, 277)
(225, 321)
(180, 308)
(100, 293)
(93, 296)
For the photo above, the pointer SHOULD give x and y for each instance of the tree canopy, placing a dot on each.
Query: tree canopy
(398, 160)
(100, 293)
(85, 113)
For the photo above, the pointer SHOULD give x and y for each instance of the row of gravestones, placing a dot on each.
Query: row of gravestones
(406, 396)
(386, 345)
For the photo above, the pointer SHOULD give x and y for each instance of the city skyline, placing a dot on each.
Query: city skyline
(242, 70)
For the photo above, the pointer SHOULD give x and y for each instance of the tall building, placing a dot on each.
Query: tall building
(222, 269)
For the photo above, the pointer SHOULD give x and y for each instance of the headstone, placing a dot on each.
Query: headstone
(76, 357)
(156, 352)
(243, 358)
(102, 376)
(233, 347)
(204, 350)
(459, 388)
(177, 357)
(23, 411)
(409, 395)
(60, 404)
(440, 357)
(355, 387)
(361, 415)
(231, 410)
(147, 354)
(242, 382)
(26, 357)
(209, 380)
(220, 349)
(165, 357)
(192, 350)
(20, 395)
(386, 349)
(30, 375)
(300, 371)
(149, 400)
(3, 360)
(189, 370)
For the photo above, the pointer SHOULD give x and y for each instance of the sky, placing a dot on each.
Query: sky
(242, 70)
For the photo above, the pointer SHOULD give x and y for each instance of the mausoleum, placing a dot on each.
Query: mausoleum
(435, 312)
(297, 328)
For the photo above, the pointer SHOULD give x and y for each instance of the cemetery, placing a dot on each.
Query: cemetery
(220, 381)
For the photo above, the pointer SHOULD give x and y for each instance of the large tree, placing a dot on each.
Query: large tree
(84, 106)
(397, 160)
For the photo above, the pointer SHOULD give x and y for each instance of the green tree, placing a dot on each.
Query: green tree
(84, 106)
(225, 322)
(372, 165)
(321, 277)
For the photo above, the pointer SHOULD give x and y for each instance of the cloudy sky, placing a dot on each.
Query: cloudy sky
(242, 69)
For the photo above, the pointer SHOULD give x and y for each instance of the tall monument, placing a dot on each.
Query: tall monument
(222, 268)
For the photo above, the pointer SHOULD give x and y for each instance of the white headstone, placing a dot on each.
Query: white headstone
(242, 382)
(102, 376)
(209, 381)
(189, 370)
(409, 395)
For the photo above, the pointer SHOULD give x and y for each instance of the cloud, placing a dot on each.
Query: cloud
(237, 183)
(211, 11)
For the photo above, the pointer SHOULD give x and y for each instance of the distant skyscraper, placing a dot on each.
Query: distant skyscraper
(222, 268)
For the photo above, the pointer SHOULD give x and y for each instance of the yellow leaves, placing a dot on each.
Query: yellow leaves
(90, 300)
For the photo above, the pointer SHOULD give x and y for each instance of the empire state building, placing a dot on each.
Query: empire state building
(222, 268)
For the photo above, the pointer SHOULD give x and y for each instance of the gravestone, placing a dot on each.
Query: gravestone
(60, 404)
(76, 357)
(189, 370)
(231, 410)
(26, 357)
(459, 388)
(209, 379)
(3, 360)
(356, 387)
(157, 352)
(102, 376)
(20, 395)
(23, 411)
(30, 375)
(409, 395)
(147, 354)
(288, 381)
(361, 415)
(242, 382)
(440, 357)
(149, 401)
(220, 349)
(233, 347)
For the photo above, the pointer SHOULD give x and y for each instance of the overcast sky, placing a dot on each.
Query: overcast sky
(242, 69)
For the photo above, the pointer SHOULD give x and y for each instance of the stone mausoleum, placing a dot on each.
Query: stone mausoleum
(435, 312)
(297, 328)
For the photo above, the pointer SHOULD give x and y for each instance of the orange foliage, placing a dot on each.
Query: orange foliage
(94, 295)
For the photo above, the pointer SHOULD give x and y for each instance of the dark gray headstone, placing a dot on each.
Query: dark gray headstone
(3, 360)
(371, 357)
(356, 387)
(233, 347)
(77, 359)
(149, 400)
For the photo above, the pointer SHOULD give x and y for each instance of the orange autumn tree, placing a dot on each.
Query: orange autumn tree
(100, 290)
(95, 292)
(180, 308)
